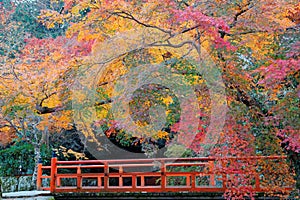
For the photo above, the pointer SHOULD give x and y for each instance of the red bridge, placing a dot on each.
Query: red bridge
(146, 175)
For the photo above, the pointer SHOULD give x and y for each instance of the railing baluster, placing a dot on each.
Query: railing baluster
(79, 178)
(58, 184)
(106, 171)
(120, 177)
(142, 181)
(133, 181)
(193, 181)
(163, 174)
(99, 181)
(188, 180)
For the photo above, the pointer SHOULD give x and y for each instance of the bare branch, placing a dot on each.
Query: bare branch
(131, 17)
(189, 29)
(15, 127)
(169, 44)
(46, 97)
(291, 28)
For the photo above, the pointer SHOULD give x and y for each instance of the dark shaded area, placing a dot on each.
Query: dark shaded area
(138, 195)
(69, 139)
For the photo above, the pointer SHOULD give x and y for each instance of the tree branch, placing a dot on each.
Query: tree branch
(107, 101)
(46, 97)
(246, 8)
(169, 44)
(131, 17)
(291, 28)
(15, 127)
(45, 110)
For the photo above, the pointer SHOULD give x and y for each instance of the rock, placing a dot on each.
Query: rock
(9, 184)
(24, 183)
(13, 184)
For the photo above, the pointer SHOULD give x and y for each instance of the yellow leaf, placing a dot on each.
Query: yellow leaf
(167, 100)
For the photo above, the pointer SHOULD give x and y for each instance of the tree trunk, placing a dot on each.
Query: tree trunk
(37, 158)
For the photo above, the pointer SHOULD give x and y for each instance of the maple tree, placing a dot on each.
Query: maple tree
(251, 39)
(75, 78)
(32, 93)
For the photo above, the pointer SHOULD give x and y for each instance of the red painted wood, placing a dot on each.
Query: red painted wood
(79, 178)
(39, 176)
(53, 174)
(106, 171)
(211, 170)
(139, 178)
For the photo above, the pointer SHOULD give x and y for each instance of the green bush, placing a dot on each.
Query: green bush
(20, 154)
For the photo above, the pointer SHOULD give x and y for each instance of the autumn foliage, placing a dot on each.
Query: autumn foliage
(75, 69)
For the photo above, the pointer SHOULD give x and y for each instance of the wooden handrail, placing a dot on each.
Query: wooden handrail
(137, 175)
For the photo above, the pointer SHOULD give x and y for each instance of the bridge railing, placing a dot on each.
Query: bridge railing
(141, 175)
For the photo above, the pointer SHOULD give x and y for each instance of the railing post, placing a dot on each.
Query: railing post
(163, 174)
(257, 182)
(106, 175)
(39, 175)
(212, 175)
(224, 175)
(53, 172)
